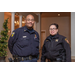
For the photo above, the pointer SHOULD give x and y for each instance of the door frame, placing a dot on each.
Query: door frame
(41, 33)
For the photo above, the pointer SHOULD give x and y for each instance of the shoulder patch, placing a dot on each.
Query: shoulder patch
(66, 40)
(12, 34)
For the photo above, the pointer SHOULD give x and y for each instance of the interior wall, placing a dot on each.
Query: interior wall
(27, 13)
(1, 20)
(38, 29)
(73, 34)
(17, 22)
(6, 15)
(63, 22)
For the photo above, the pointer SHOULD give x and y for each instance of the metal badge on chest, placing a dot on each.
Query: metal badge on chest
(56, 40)
(35, 36)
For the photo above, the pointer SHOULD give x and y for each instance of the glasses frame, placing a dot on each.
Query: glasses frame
(52, 29)
(30, 20)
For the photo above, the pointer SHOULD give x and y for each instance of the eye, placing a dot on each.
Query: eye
(32, 19)
(28, 19)
(53, 28)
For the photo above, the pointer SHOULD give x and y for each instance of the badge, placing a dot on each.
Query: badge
(56, 40)
(35, 36)
(66, 40)
(24, 30)
(47, 40)
(12, 34)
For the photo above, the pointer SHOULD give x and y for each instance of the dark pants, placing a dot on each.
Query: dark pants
(33, 60)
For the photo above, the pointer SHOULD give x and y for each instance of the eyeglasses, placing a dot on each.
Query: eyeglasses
(52, 28)
(30, 20)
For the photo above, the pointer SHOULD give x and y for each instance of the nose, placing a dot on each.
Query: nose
(30, 21)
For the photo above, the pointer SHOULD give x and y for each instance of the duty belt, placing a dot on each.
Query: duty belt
(18, 58)
(57, 60)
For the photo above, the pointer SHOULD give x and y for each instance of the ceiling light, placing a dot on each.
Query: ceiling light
(17, 13)
(14, 21)
(23, 21)
(58, 14)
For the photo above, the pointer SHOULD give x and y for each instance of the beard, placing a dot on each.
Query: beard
(29, 26)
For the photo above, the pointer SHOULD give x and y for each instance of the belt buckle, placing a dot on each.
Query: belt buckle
(30, 57)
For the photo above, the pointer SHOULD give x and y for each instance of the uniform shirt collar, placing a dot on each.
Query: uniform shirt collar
(54, 37)
(30, 31)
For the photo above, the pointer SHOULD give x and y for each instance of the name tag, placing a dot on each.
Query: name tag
(24, 36)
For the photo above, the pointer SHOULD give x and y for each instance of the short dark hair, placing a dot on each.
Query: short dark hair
(55, 25)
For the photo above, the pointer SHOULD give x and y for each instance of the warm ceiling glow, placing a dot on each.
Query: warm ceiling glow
(58, 14)
(23, 21)
(16, 22)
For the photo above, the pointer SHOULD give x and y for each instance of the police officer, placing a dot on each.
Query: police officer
(56, 47)
(24, 42)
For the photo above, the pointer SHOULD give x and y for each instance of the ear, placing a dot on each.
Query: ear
(34, 21)
(25, 21)
(57, 30)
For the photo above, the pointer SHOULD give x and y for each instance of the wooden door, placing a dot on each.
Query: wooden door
(43, 37)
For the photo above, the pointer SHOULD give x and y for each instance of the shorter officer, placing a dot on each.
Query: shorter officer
(24, 42)
(56, 47)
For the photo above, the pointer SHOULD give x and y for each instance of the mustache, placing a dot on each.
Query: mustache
(30, 23)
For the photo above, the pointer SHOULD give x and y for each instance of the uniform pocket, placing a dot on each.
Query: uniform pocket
(36, 43)
(23, 42)
(36, 40)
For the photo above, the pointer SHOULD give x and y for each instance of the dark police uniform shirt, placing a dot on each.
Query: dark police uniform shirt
(24, 42)
(56, 47)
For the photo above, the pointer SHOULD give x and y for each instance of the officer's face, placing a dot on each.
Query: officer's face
(29, 21)
(53, 30)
